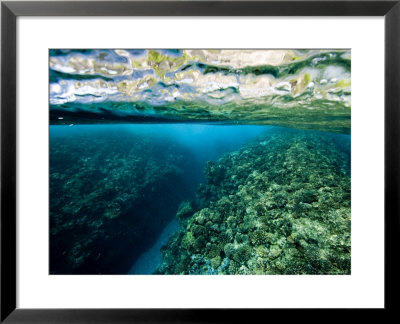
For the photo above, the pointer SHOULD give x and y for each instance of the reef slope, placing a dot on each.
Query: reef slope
(279, 205)
(111, 195)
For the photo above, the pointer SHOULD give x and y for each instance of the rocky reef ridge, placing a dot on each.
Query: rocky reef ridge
(111, 194)
(279, 205)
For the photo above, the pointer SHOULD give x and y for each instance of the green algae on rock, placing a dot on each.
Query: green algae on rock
(279, 205)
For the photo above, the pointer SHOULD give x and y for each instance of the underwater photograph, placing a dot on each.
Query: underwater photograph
(200, 161)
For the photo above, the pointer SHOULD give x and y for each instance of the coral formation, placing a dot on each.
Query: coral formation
(279, 205)
(110, 197)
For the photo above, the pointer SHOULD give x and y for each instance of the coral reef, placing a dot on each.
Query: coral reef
(279, 205)
(110, 196)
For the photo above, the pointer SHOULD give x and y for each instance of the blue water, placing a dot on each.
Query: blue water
(150, 259)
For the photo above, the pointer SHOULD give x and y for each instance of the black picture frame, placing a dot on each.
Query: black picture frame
(10, 10)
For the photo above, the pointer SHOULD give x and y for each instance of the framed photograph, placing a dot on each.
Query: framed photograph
(189, 160)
